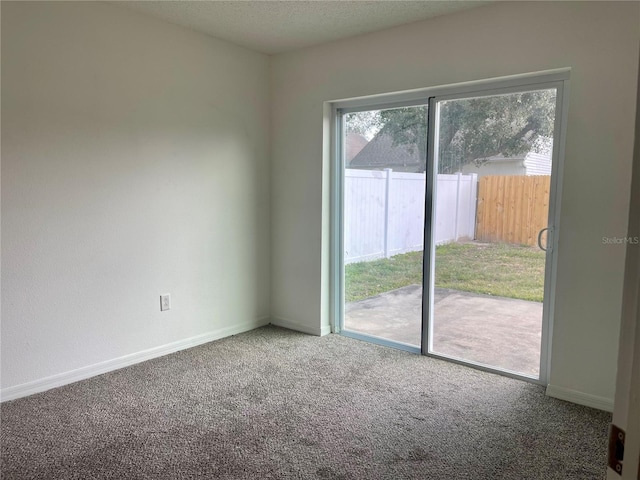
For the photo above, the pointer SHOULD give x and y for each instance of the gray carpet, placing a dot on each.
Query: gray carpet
(272, 403)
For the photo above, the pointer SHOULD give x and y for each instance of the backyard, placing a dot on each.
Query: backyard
(503, 270)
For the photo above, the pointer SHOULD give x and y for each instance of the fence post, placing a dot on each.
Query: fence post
(473, 205)
(387, 217)
(455, 225)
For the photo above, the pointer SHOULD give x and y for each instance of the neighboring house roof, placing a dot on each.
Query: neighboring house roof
(381, 153)
(353, 144)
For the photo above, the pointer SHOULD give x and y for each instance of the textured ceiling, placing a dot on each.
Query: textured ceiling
(271, 26)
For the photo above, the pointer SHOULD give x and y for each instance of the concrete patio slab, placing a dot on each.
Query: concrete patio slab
(496, 331)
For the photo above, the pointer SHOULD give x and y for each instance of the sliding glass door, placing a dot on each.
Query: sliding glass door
(445, 219)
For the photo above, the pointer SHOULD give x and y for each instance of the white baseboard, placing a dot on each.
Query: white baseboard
(291, 325)
(586, 399)
(82, 373)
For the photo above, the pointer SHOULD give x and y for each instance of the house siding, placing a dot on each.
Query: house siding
(537, 164)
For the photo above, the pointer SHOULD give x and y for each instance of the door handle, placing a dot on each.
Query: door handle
(540, 239)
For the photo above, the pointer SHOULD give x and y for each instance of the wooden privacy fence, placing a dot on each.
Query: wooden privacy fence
(512, 208)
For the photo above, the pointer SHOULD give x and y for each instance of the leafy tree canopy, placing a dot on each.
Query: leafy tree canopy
(471, 130)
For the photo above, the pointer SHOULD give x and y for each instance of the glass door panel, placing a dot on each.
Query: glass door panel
(384, 181)
(493, 159)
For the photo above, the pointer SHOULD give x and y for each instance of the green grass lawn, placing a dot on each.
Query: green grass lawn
(495, 269)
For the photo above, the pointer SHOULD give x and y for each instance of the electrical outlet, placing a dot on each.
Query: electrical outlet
(165, 302)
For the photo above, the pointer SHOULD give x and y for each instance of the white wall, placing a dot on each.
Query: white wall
(134, 163)
(598, 40)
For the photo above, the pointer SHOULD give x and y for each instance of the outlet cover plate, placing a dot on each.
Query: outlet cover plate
(165, 302)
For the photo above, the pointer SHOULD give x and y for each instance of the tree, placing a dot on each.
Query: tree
(407, 126)
(471, 130)
(366, 123)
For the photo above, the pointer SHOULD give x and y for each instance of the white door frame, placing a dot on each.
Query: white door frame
(626, 408)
